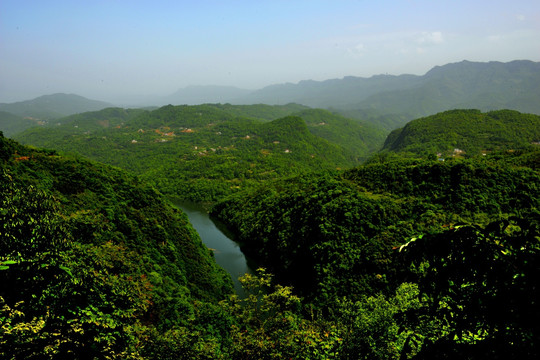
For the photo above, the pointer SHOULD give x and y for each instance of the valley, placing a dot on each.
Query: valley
(406, 229)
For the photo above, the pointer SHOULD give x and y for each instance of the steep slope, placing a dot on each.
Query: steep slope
(332, 235)
(470, 132)
(93, 263)
(53, 106)
(359, 137)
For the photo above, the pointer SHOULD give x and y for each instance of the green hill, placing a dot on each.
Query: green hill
(94, 263)
(199, 152)
(466, 132)
(359, 137)
(464, 231)
(261, 112)
(395, 259)
(11, 124)
(53, 106)
(331, 234)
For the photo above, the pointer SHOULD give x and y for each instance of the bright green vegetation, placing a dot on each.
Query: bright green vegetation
(466, 133)
(360, 138)
(261, 111)
(205, 152)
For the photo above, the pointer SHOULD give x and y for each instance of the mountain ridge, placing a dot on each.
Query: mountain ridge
(390, 100)
(488, 86)
(53, 106)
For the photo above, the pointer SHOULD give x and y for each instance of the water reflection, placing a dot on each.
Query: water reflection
(213, 233)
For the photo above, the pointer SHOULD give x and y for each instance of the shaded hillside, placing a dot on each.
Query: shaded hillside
(330, 235)
(197, 152)
(93, 263)
(387, 122)
(466, 132)
(452, 233)
(53, 106)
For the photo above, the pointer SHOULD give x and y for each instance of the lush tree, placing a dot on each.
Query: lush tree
(481, 284)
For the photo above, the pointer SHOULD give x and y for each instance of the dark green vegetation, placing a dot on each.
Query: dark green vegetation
(93, 263)
(204, 152)
(397, 99)
(466, 132)
(403, 257)
(465, 286)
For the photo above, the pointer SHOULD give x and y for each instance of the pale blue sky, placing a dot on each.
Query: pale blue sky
(111, 50)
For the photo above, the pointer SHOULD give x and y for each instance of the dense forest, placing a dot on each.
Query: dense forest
(460, 132)
(205, 152)
(464, 234)
(402, 256)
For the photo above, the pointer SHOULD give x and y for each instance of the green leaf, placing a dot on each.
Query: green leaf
(4, 265)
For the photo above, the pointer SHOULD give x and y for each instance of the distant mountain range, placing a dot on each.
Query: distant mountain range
(485, 86)
(388, 101)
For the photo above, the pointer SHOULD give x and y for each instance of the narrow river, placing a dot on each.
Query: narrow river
(227, 253)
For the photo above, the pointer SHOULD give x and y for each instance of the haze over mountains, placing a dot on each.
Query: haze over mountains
(341, 222)
(53, 106)
(485, 86)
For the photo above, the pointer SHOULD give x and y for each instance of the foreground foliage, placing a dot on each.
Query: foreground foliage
(466, 284)
(396, 259)
(93, 263)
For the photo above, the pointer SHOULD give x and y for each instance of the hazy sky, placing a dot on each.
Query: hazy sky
(109, 50)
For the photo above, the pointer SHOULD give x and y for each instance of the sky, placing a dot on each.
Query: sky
(117, 50)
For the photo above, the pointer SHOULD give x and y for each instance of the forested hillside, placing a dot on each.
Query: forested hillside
(340, 236)
(204, 152)
(11, 124)
(466, 133)
(94, 263)
(402, 257)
